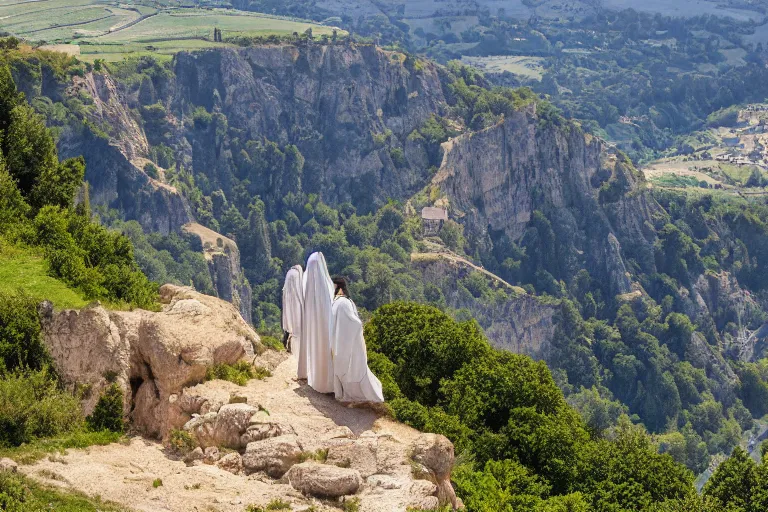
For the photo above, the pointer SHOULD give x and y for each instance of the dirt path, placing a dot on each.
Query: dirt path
(437, 251)
(124, 473)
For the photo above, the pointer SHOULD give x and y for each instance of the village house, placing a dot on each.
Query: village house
(432, 220)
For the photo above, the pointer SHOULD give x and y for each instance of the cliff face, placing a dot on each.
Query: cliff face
(495, 179)
(522, 324)
(328, 100)
(112, 144)
(223, 258)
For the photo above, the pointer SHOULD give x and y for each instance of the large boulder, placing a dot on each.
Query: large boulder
(274, 456)
(152, 355)
(324, 480)
(232, 421)
(88, 350)
(434, 453)
(355, 455)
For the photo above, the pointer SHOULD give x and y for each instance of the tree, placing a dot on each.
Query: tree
(57, 185)
(452, 235)
(28, 147)
(733, 482)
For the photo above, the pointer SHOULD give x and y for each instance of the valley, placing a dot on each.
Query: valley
(553, 217)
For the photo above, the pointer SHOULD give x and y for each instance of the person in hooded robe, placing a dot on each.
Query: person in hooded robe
(293, 313)
(316, 326)
(353, 380)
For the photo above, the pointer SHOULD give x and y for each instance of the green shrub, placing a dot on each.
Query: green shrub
(13, 492)
(21, 494)
(275, 504)
(157, 482)
(21, 342)
(151, 170)
(108, 414)
(181, 442)
(320, 455)
(272, 342)
(350, 505)
(39, 448)
(32, 406)
(239, 373)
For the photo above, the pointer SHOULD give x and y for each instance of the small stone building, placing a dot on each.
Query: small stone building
(432, 220)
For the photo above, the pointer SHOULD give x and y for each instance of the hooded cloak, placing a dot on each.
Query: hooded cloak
(316, 327)
(293, 313)
(353, 380)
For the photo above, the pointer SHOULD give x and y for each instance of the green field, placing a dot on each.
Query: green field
(21, 269)
(111, 31)
(523, 66)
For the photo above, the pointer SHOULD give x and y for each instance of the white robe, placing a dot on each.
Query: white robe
(293, 312)
(353, 380)
(316, 328)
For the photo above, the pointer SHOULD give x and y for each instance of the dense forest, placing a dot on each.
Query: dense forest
(621, 417)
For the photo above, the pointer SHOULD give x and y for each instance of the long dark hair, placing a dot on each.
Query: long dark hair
(341, 284)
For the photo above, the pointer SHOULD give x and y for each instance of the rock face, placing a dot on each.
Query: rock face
(223, 258)
(435, 453)
(524, 324)
(329, 100)
(114, 179)
(153, 356)
(495, 179)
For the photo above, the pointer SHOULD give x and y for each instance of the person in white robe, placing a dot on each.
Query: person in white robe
(316, 327)
(353, 380)
(293, 312)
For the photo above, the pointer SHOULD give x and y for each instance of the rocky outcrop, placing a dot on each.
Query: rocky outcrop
(495, 179)
(110, 141)
(232, 426)
(153, 356)
(223, 257)
(328, 100)
(523, 323)
(435, 453)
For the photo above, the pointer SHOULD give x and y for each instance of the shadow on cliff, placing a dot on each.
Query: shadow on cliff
(358, 419)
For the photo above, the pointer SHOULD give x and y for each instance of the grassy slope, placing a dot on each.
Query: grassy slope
(41, 498)
(22, 269)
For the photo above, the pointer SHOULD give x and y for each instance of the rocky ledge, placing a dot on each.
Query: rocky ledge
(152, 356)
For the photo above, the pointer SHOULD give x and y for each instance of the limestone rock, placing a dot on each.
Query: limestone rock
(381, 95)
(359, 456)
(435, 453)
(274, 456)
(152, 355)
(384, 481)
(212, 455)
(231, 462)
(87, 347)
(194, 456)
(261, 431)
(223, 257)
(9, 465)
(323, 480)
(115, 167)
(231, 422)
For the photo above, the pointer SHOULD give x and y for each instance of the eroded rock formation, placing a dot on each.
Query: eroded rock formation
(495, 179)
(153, 356)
